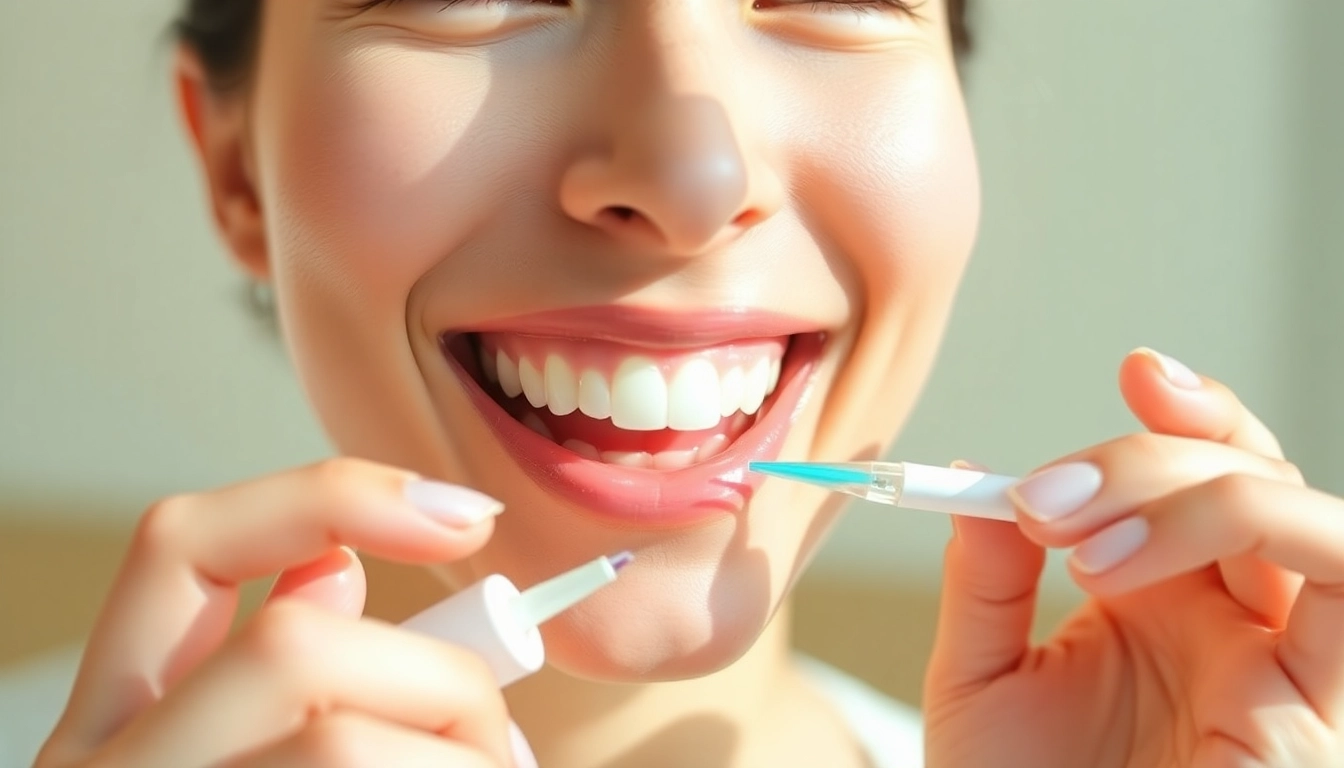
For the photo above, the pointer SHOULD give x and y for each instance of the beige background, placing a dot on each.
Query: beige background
(1156, 173)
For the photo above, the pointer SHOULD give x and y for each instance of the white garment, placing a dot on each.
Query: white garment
(890, 732)
(32, 696)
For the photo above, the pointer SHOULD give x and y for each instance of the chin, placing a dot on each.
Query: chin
(650, 632)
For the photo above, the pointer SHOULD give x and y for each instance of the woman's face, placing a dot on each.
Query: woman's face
(593, 257)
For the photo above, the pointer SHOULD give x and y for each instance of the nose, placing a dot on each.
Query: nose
(670, 170)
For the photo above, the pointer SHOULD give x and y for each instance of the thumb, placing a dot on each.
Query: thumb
(990, 574)
(334, 581)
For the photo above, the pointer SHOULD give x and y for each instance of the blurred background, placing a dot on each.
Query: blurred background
(1155, 173)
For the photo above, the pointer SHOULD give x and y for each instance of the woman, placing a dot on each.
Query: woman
(581, 261)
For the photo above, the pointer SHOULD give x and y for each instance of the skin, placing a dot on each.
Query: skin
(377, 239)
(399, 172)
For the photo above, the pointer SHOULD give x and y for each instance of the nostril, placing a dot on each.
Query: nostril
(748, 218)
(628, 222)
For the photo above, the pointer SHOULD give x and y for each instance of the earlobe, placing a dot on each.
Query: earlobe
(217, 126)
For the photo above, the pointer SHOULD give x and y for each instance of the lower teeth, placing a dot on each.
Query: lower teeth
(678, 459)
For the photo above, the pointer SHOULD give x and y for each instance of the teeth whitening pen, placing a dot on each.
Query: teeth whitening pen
(910, 486)
(499, 623)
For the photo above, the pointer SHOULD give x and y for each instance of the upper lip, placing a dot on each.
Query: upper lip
(648, 327)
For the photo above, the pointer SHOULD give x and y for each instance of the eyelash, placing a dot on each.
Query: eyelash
(445, 4)
(901, 6)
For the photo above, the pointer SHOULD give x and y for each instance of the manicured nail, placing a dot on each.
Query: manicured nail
(522, 751)
(1178, 373)
(451, 504)
(1058, 491)
(1111, 546)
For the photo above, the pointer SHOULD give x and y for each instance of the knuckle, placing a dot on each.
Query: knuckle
(282, 638)
(1148, 446)
(336, 740)
(341, 472)
(1230, 491)
(1290, 472)
(475, 681)
(161, 525)
(342, 482)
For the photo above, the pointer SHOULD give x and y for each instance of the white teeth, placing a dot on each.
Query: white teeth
(508, 375)
(730, 392)
(673, 459)
(693, 397)
(712, 447)
(562, 390)
(586, 450)
(754, 385)
(664, 460)
(639, 396)
(533, 422)
(594, 395)
(641, 459)
(534, 386)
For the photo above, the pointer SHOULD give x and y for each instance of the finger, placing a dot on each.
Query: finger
(1068, 501)
(334, 581)
(990, 576)
(1171, 399)
(176, 593)
(295, 660)
(355, 740)
(1298, 528)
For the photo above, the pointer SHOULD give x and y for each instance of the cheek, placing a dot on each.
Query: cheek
(903, 191)
(358, 149)
(370, 175)
(900, 196)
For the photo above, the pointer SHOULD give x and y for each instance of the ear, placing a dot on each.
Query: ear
(217, 125)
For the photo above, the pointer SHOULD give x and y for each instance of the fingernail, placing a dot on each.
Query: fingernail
(522, 751)
(1058, 491)
(1111, 546)
(1178, 373)
(451, 504)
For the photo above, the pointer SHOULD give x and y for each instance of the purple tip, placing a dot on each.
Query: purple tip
(620, 560)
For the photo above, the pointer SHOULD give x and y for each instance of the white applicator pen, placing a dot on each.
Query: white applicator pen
(901, 484)
(499, 623)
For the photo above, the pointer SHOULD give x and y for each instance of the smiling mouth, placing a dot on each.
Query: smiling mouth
(637, 425)
(648, 409)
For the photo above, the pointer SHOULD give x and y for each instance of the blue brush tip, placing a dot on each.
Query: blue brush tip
(808, 472)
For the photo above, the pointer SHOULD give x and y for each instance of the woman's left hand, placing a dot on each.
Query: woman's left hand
(1214, 630)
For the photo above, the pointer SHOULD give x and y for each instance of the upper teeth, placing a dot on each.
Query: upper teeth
(694, 395)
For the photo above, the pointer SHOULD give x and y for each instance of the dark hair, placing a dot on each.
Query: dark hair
(224, 34)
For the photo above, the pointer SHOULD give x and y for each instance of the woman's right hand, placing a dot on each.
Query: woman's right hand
(306, 682)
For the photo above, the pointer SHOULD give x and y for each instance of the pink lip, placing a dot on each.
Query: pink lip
(652, 497)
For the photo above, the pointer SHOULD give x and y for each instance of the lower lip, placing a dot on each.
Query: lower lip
(629, 495)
